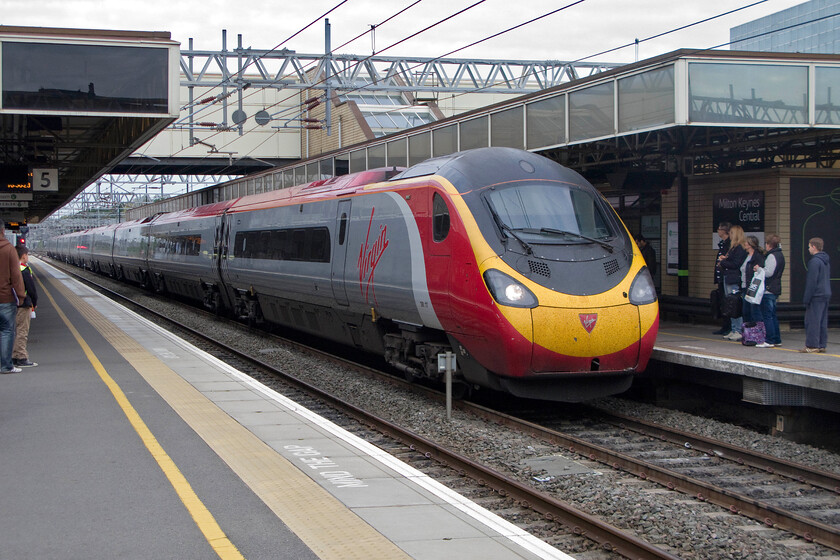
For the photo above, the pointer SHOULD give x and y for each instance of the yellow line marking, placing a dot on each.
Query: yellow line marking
(202, 516)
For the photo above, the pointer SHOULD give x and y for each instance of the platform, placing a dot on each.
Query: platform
(223, 466)
(780, 376)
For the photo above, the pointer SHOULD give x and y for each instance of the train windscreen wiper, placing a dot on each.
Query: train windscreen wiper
(506, 228)
(603, 244)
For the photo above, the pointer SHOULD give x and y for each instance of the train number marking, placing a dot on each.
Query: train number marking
(369, 256)
(588, 321)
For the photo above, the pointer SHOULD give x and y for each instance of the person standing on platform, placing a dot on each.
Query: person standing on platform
(774, 266)
(11, 287)
(20, 357)
(817, 295)
(755, 260)
(723, 249)
(647, 253)
(731, 271)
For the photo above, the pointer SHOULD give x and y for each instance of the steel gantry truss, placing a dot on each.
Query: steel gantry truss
(287, 69)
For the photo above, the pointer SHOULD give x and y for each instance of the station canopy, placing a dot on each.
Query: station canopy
(75, 103)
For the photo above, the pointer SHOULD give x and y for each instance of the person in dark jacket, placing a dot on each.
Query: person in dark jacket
(755, 259)
(11, 285)
(20, 357)
(730, 266)
(774, 266)
(723, 248)
(817, 295)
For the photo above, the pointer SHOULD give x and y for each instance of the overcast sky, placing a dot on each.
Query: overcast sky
(584, 28)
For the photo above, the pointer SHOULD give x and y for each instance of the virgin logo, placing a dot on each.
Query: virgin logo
(588, 321)
(369, 256)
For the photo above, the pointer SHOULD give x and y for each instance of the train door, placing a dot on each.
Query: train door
(439, 250)
(220, 255)
(339, 284)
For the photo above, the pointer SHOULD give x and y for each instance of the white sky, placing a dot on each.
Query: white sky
(581, 30)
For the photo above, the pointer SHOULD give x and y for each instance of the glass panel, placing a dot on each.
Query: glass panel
(288, 178)
(311, 171)
(376, 156)
(358, 161)
(85, 78)
(591, 112)
(546, 121)
(342, 165)
(474, 133)
(398, 152)
(748, 93)
(646, 100)
(419, 148)
(300, 175)
(445, 140)
(326, 168)
(827, 96)
(506, 128)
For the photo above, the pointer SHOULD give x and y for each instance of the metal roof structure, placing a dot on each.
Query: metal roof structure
(74, 103)
(636, 126)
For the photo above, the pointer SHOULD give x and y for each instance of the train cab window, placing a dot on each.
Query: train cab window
(440, 217)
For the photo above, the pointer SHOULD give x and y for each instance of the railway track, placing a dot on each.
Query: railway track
(780, 494)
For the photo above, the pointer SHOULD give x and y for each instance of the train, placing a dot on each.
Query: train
(510, 261)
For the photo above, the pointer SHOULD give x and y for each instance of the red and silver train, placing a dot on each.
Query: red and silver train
(511, 261)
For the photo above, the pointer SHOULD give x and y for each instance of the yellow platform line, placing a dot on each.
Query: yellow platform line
(202, 516)
(321, 521)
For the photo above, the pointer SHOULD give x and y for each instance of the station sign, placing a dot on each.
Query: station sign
(14, 204)
(15, 179)
(44, 180)
(15, 196)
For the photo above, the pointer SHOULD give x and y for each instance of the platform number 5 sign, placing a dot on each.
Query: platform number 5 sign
(44, 180)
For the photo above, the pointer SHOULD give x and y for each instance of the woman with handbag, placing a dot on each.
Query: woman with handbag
(730, 266)
(774, 266)
(752, 310)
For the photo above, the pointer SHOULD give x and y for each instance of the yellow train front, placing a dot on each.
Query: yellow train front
(549, 295)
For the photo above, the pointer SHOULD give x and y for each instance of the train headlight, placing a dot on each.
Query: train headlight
(507, 291)
(642, 290)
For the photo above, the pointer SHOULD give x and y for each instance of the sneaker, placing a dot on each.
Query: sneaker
(765, 345)
(778, 344)
(13, 370)
(26, 363)
(822, 350)
(736, 336)
(809, 350)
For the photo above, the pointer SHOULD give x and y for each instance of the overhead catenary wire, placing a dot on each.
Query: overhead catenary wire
(652, 37)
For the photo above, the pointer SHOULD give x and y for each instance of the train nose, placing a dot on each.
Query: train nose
(579, 339)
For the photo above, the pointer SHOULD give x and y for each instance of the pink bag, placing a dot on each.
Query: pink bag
(753, 333)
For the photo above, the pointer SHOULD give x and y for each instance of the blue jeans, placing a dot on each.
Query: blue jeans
(771, 322)
(8, 311)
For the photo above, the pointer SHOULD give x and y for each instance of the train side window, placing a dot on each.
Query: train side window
(342, 228)
(440, 217)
